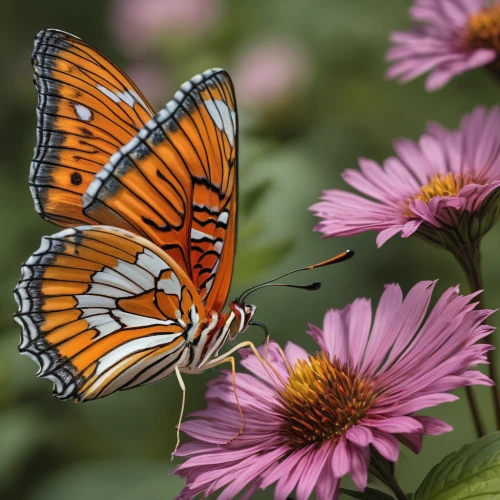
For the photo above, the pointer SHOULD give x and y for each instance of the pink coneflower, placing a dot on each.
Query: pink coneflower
(315, 424)
(444, 187)
(449, 38)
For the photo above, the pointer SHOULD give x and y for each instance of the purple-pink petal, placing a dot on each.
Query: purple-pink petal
(386, 444)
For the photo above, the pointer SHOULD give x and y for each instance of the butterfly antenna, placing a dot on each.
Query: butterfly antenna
(313, 286)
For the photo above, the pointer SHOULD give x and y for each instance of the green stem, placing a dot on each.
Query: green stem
(494, 70)
(469, 257)
(383, 470)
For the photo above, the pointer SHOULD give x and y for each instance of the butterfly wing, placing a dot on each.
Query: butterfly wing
(176, 183)
(103, 310)
(87, 109)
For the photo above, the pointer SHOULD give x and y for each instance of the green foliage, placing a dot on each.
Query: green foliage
(101, 480)
(471, 472)
(120, 446)
(263, 257)
(250, 199)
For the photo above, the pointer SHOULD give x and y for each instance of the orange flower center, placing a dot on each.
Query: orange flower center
(483, 29)
(322, 400)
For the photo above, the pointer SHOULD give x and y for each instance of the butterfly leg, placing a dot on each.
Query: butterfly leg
(230, 359)
(287, 364)
(183, 387)
(247, 343)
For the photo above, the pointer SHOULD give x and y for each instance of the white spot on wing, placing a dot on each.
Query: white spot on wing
(129, 97)
(108, 93)
(94, 301)
(187, 86)
(83, 112)
(112, 278)
(223, 117)
(130, 320)
(223, 217)
(91, 312)
(138, 98)
(208, 285)
(199, 235)
(104, 324)
(150, 261)
(170, 286)
(107, 291)
(129, 348)
(197, 79)
(137, 274)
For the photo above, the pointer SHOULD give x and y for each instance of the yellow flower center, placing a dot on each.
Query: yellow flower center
(443, 185)
(483, 29)
(322, 400)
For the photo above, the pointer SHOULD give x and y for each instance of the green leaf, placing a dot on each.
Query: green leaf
(471, 472)
(368, 494)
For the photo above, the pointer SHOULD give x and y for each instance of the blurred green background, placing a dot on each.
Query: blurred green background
(312, 99)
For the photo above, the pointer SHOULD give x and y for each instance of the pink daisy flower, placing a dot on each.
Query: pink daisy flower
(449, 38)
(444, 188)
(315, 423)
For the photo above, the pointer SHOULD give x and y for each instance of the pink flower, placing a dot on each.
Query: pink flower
(313, 425)
(139, 23)
(270, 72)
(444, 186)
(449, 38)
(151, 80)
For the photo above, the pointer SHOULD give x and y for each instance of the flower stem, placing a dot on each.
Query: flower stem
(383, 470)
(494, 70)
(469, 257)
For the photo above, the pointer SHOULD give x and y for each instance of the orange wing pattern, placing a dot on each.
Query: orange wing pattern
(175, 183)
(103, 310)
(87, 109)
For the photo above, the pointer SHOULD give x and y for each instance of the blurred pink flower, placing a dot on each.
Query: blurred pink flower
(139, 23)
(369, 381)
(444, 186)
(449, 38)
(150, 79)
(269, 72)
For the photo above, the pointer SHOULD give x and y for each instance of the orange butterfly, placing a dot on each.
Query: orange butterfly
(136, 291)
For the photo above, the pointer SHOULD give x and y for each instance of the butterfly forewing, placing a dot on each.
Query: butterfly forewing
(87, 109)
(176, 183)
(103, 310)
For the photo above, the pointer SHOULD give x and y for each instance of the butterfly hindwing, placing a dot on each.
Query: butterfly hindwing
(87, 109)
(103, 310)
(176, 183)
